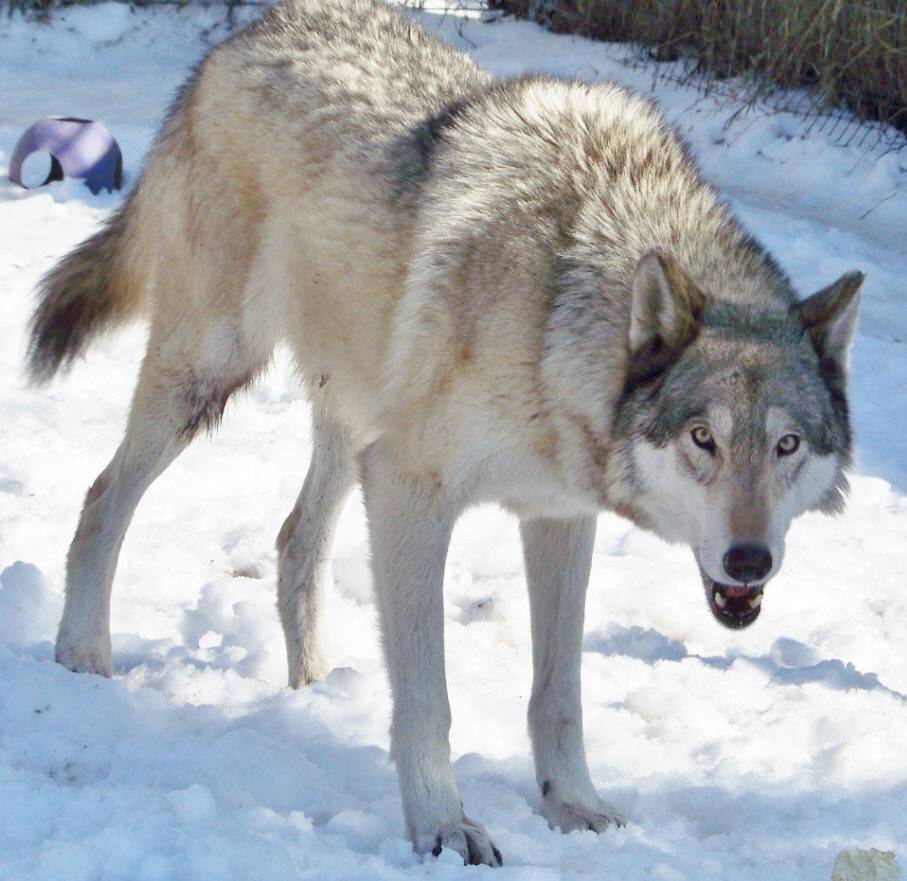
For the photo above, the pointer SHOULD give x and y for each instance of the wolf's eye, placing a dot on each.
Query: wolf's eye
(788, 444)
(702, 437)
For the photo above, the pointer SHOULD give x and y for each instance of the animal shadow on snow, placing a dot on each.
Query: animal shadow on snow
(789, 662)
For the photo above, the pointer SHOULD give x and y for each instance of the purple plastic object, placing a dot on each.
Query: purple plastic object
(79, 148)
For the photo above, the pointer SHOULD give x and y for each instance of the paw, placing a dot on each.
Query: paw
(592, 814)
(84, 658)
(305, 662)
(467, 837)
(302, 675)
(306, 670)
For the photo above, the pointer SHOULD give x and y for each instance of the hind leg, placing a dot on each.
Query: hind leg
(304, 547)
(179, 391)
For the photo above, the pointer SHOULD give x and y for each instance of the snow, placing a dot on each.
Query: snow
(752, 756)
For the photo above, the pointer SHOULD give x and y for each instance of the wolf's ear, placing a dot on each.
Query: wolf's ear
(665, 304)
(830, 317)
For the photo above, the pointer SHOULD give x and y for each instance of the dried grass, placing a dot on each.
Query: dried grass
(847, 55)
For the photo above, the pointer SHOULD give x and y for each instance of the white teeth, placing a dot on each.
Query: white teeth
(755, 600)
(720, 601)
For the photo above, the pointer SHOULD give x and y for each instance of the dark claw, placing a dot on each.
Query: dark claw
(475, 858)
(497, 856)
(436, 850)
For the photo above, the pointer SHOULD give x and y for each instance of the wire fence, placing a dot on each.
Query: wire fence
(838, 63)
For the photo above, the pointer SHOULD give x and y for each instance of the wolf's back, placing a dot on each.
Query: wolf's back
(265, 118)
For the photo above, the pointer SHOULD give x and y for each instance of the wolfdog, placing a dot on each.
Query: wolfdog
(518, 292)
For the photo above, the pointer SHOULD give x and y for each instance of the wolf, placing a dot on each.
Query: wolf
(518, 292)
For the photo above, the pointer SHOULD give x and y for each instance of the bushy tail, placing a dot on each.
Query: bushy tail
(87, 292)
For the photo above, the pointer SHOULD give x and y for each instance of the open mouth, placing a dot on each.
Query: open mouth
(733, 605)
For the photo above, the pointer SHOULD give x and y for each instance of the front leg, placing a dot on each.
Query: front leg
(558, 555)
(410, 520)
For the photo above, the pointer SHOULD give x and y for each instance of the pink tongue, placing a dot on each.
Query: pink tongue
(734, 591)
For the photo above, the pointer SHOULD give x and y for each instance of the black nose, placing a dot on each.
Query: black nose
(748, 563)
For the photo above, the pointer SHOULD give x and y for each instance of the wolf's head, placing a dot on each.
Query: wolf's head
(734, 421)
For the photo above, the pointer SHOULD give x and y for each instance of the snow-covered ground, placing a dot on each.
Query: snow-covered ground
(738, 757)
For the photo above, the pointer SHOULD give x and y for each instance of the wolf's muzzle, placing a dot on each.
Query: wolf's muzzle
(734, 606)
